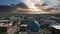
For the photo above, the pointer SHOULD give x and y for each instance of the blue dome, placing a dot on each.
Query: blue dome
(34, 26)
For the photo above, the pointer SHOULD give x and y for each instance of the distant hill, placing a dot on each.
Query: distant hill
(5, 8)
(12, 7)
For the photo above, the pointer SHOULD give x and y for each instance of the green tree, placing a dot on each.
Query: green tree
(16, 33)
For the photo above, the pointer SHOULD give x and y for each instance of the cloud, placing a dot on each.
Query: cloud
(50, 4)
(12, 7)
(47, 5)
(54, 3)
(22, 5)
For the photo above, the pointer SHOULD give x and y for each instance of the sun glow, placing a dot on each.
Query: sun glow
(31, 5)
(34, 9)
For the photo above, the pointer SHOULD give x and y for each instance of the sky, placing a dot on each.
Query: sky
(30, 3)
(7, 2)
(50, 2)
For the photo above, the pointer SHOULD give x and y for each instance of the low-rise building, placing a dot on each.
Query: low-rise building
(5, 25)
